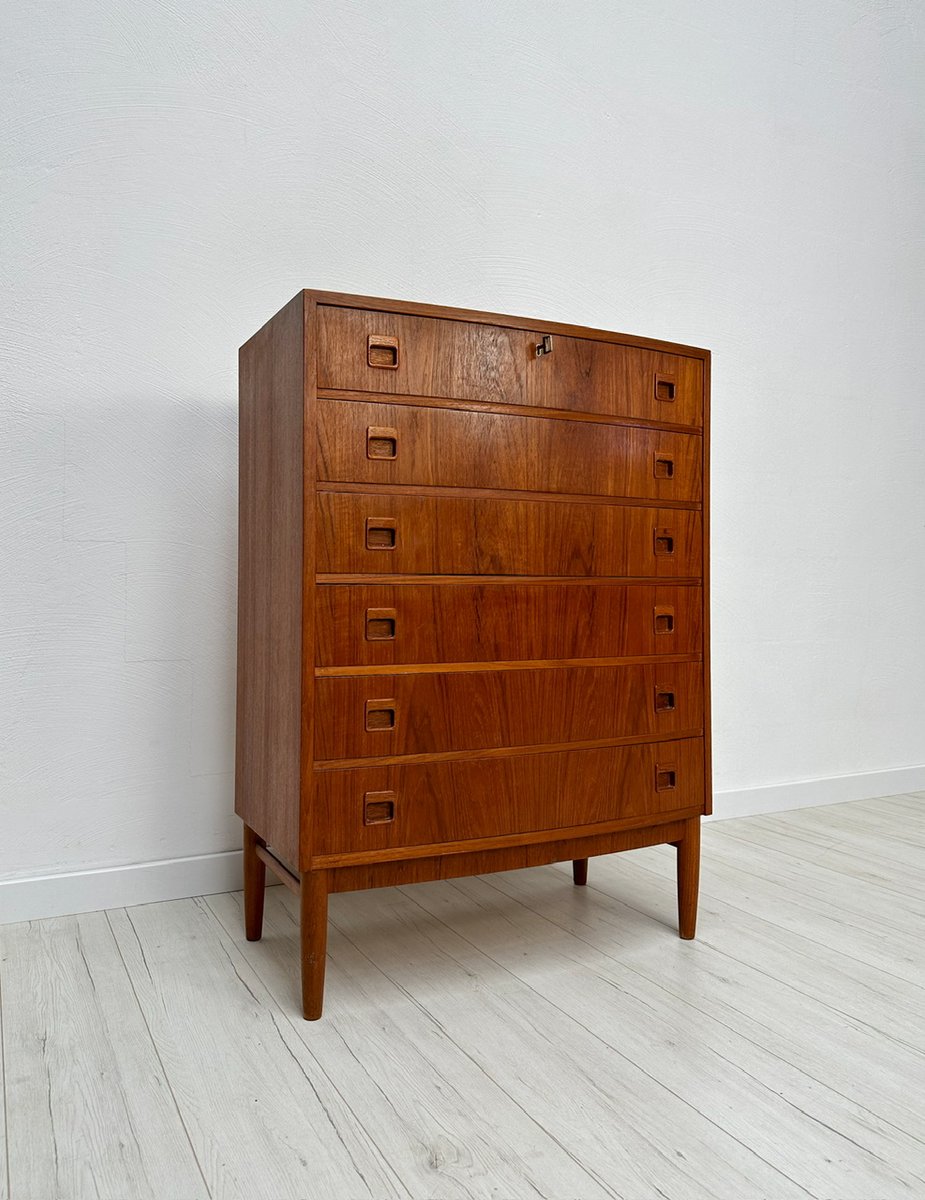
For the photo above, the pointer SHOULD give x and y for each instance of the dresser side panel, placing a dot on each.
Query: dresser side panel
(270, 525)
(707, 705)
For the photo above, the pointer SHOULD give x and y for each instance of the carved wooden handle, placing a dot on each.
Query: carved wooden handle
(666, 387)
(381, 624)
(381, 442)
(663, 541)
(378, 808)
(662, 466)
(381, 533)
(666, 777)
(664, 699)
(382, 351)
(380, 715)
(663, 616)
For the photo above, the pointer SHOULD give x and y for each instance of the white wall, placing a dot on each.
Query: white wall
(745, 176)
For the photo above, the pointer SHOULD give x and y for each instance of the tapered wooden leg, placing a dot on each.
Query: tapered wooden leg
(255, 882)
(688, 878)
(580, 871)
(313, 904)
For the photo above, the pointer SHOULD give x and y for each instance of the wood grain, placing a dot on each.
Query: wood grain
(436, 992)
(473, 622)
(255, 882)
(446, 802)
(411, 1086)
(504, 537)
(781, 1111)
(459, 961)
(488, 450)
(433, 712)
(91, 1112)
(470, 360)
(688, 867)
(262, 1118)
(270, 539)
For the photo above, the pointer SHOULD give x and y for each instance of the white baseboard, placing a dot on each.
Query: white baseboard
(30, 899)
(809, 793)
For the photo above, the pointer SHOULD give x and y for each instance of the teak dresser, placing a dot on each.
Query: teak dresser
(472, 608)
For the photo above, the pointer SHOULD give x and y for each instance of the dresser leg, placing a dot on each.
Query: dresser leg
(313, 903)
(688, 878)
(255, 882)
(580, 871)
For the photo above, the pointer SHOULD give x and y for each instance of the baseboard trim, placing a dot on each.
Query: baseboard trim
(32, 898)
(812, 793)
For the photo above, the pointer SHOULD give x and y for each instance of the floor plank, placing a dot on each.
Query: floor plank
(90, 1111)
(890, 1006)
(866, 899)
(803, 1031)
(265, 1122)
(807, 1129)
(825, 920)
(495, 1038)
(569, 1079)
(851, 859)
(4, 1160)
(448, 1129)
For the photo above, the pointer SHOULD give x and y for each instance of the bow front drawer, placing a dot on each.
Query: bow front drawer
(401, 444)
(369, 809)
(370, 624)
(433, 712)
(393, 353)
(418, 535)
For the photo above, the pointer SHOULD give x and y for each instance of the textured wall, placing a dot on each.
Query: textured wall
(743, 176)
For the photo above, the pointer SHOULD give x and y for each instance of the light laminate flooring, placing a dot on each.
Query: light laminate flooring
(505, 1036)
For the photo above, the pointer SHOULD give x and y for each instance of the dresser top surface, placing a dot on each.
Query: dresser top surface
(314, 297)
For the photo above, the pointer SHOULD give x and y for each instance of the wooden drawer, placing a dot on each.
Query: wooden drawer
(364, 624)
(400, 444)
(360, 350)
(378, 808)
(433, 712)
(379, 534)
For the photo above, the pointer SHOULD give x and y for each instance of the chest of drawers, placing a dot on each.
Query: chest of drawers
(472, 601)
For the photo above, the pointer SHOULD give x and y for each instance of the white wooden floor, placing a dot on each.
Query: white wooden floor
(507, 1036)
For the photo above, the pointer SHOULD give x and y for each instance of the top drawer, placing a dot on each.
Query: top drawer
(401, 355)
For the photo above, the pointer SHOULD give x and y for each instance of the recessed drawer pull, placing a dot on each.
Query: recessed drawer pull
(378, 808)
(381, 715)
(664, 700)
(663, 467)
(381, 533)
(664, 541)
(664, 618)
(381, 442)
(665, 387)
(666, 778)
(380, 624)
(382, 351)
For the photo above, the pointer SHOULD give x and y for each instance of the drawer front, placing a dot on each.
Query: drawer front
(382, 715)
(395, 354)
(381, 624)
(400, 444)
(380, 808)
(378, 534)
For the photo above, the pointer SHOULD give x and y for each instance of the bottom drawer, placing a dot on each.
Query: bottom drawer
(380, 808)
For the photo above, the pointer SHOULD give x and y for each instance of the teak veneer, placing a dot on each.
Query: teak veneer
(472, 601)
